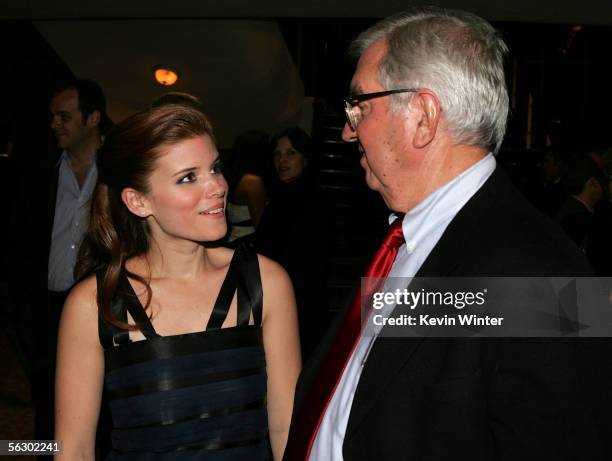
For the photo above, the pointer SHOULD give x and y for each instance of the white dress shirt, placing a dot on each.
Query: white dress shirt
(69, 223)
(422, 227)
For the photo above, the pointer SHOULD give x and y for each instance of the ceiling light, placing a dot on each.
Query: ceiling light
(165, 75)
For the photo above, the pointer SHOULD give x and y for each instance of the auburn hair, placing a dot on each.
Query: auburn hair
(127, 159)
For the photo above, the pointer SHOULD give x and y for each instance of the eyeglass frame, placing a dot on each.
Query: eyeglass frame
(352, 99)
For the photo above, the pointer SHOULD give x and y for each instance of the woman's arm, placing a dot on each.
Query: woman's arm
(79, 375)
(252, 193)
(282, 346)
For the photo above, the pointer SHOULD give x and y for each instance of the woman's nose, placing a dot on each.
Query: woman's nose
(217, 187)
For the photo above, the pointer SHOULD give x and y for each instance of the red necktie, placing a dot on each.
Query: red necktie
(320, 394)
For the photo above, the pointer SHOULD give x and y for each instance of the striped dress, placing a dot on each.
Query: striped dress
(192, 396)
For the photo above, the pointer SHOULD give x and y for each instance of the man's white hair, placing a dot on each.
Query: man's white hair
(457, 55)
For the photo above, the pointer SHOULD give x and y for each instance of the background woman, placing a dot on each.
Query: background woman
(247, 192)
(193, 368)
(295, 231)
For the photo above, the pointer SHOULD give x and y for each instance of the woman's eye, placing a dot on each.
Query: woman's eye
(188, 178)
(216, 168)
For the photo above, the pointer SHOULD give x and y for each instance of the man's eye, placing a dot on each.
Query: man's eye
(188, 178)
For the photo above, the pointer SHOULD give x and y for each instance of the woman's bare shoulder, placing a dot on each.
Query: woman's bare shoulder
(269, 267)
(250, 179)
(249, 183)
(79, 323)
(83, 295)
(274, 277)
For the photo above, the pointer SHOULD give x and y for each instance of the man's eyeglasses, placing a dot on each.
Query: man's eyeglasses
(353, 113)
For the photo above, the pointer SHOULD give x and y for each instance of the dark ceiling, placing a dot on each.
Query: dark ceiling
(543, 11)
(235, 57)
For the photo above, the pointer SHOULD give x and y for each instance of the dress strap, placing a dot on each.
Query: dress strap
(249, 287)
(124, 301)
(224, 299)
(135, 308)
(243, 279)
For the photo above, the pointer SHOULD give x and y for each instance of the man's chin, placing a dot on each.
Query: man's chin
(372, 183)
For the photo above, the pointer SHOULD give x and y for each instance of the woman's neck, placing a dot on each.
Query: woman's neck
(178, 259)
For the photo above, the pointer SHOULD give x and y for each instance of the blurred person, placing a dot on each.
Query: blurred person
(195, 345)
(427, 108)
(584, 183)
(551, 194)
(247, 192)
(48, 222)
(295, 230)
(587, 215)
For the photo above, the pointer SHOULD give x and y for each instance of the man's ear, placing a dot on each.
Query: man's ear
(427, 107)
(93, 119)
(135, 202)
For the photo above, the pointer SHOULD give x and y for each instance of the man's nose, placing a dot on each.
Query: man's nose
(348, 134)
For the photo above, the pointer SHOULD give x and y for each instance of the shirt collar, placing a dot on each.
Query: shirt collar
(448, 199)
(64, 156)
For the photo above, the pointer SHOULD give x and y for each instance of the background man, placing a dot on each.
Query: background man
(428, 107)
(49, 220)
(586, 215)
(584, 183)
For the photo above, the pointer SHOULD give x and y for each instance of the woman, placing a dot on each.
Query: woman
(191, 370)
(295, 230)
(247, 196)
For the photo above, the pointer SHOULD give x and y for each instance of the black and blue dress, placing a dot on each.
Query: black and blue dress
(191, 396)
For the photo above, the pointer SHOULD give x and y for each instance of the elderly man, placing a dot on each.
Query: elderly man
(428, 108)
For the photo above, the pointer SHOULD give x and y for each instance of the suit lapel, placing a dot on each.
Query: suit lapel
(390, 354)
(387, 357)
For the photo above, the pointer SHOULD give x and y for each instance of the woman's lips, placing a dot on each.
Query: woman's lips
(217, 211)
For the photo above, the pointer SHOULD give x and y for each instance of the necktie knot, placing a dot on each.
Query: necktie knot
(381, 262)
(395, 235)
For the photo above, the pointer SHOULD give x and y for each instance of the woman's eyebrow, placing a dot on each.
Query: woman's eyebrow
(185, 170)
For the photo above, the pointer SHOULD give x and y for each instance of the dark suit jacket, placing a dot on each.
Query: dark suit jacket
(27, 260)
(482, 399)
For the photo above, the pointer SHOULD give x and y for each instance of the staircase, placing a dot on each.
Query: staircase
(360, 214)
